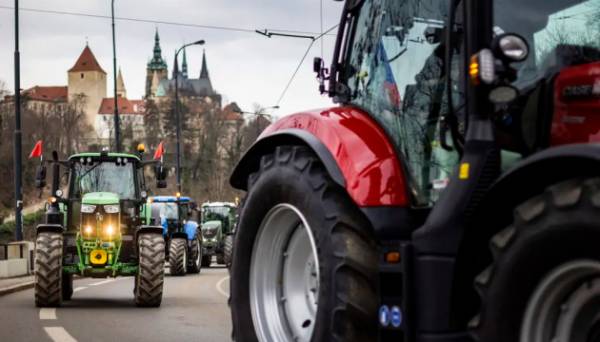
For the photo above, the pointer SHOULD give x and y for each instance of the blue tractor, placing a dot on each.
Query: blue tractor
(180, 230)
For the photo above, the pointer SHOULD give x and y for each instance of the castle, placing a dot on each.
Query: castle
(87, 86)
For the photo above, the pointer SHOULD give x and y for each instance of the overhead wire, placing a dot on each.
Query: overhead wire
(289, 83)
(151, 21)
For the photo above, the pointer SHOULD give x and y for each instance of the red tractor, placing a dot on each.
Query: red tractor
(454, 193)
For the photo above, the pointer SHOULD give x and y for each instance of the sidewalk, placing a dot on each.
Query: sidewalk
(10, 285)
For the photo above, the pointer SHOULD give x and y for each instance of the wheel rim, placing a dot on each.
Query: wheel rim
(284, 277)
(565, 305)
(184, 254)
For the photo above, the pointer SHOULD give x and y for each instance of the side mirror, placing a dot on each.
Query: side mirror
(161, 176)
(40, 177)
(433, 34)
(317, 65)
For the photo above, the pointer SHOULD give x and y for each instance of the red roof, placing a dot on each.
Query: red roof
(231, 112)
(87, 62)
(50, 94)
(125, 106)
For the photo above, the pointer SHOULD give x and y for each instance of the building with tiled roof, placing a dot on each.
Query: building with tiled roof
(131, 114)
(53, 94)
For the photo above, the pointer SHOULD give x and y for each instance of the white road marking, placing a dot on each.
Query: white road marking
(59, 334)
(219, 288)
(77, 289)
(48, 313)
(102, 282)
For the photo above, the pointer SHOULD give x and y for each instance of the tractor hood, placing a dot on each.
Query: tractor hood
(210, 229)
(100, 198)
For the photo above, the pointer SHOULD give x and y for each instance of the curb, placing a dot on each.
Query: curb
(16, 288)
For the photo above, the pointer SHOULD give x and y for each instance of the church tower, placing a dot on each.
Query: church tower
(87, 78)
(156, 65)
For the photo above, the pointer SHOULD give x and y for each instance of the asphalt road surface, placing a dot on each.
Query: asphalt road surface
(194, 308)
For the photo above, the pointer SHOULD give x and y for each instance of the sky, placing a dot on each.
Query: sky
(244, 67)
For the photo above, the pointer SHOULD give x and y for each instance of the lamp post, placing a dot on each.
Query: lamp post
(117, 132)
(177, 117)
(17, 151)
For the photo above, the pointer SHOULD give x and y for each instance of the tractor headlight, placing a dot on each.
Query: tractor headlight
(88, 208)
(112, 208)
(88, 231)
(109, 230)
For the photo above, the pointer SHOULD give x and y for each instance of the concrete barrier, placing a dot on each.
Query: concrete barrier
(13, 268)
(17, 259)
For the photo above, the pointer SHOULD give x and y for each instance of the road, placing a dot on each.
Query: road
(194, 308)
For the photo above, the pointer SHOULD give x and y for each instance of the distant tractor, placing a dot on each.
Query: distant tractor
(99, 227)
(182, 237)
(452, 196)
(218, 227)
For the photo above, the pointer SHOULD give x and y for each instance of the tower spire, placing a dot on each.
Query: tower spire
(204, 70)
(121, 91)
(184, 67)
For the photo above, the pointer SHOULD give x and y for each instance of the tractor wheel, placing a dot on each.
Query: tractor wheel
(48, 269)
(67, 286)
(220, 259)
(195, 257)
(150, 277)
(228, 250)
(544, 284)
(206, 260)
(178, 256)
(305, 263)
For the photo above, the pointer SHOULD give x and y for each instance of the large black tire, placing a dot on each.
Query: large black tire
(67, 286)
(151, 270)
(48, 269)
(557, 227)
(220, 258)
(195, 257)
(178, 256)
(206, 260)
(228, 250)
(347, 255)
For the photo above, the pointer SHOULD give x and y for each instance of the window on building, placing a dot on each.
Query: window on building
(81, 75)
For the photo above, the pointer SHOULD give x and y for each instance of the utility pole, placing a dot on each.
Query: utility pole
(17, 152)
(177, 117)
(117, 133)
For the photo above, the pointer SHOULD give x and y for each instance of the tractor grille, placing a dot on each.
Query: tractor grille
(209, 233)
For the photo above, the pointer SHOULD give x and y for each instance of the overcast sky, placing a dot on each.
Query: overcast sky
(244, 67)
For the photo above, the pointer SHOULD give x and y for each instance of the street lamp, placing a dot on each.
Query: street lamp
(177, 118)
(257, 114)
(17, 150)
(117, 133)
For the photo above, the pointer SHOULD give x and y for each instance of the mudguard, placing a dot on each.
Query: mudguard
(49, 228)
(190, 228)
(354, 149)
(150, 229)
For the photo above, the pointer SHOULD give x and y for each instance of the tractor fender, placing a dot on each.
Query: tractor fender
(190, 228)
(49, 228)
(528, 178)
(354, 149)
(180, 235)
(150, 230)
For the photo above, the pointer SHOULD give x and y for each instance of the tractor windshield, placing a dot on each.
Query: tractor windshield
(104, 177)
(558, 32)
(395, 70)
(167, 210)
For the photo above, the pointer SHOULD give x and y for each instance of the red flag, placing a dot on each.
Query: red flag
(160, 150)
(37, 150)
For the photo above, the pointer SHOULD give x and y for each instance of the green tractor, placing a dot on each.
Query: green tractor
(99, 228)
(218, 226)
